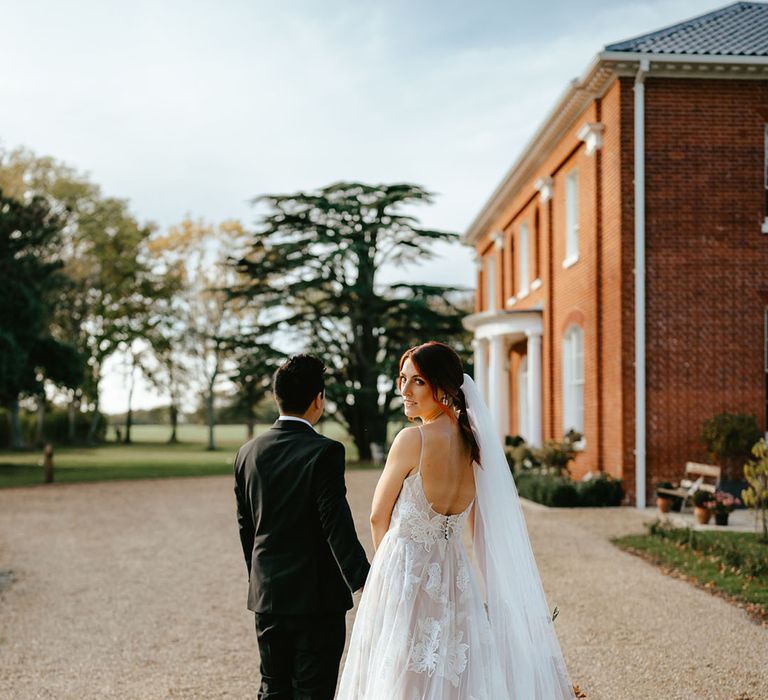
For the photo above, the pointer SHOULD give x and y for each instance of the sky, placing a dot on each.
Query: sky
(193, 107)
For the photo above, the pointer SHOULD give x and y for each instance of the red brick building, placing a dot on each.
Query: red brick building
(623, 260)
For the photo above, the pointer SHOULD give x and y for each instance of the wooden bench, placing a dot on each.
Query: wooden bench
(688, 486)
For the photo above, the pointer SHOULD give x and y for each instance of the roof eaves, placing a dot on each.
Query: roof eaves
(614, 62)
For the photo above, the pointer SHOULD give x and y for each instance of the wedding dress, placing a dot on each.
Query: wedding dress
(423, 630)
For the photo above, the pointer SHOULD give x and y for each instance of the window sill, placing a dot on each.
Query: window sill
(536, 283)
(581, 445)
(571, 261)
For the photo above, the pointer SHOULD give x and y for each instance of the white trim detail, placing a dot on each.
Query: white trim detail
(592, 135)
(515, 324)
(640, 427)
(498, 240)
(511, 301)
(764, 227)
(599, 75)
(571, 260)
(536, 283)
(544, 187)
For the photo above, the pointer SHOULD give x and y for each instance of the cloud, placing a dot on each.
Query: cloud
(194, 107)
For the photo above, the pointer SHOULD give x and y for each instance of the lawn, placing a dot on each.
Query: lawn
(148, 457)
(733, 565)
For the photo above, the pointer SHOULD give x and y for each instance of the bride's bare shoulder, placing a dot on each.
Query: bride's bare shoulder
(407, 440)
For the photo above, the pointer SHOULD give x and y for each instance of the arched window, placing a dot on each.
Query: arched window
(523, 418)
(573, 380)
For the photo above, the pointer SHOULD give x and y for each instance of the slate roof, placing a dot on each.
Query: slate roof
(740, 29)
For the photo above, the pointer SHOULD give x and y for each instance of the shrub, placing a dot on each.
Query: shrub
(562, 492)
(555, 456)
(519, 455)
(729, 438)
(602, 490)
(56, 428)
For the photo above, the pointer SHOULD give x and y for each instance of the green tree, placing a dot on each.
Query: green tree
(31, 280)
(312, 272)
(196, 253)
(756, 495)
(110, 294)
(255, 365)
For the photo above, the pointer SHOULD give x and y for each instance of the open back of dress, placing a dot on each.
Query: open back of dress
(421, 631)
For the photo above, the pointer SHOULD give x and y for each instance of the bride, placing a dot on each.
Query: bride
(427, 627)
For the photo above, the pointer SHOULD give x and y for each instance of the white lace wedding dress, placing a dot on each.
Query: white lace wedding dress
(421, 631)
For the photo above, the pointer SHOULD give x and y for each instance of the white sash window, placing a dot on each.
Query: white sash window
(522, 261)
(573, 380)
(571, 218)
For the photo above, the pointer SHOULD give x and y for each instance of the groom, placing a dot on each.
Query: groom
(301, 550)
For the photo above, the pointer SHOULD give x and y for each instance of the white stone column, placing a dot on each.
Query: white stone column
(481, 366)
(534, 389)
(498, 388)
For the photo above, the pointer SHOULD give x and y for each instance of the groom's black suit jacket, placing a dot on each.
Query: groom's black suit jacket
(298, 538)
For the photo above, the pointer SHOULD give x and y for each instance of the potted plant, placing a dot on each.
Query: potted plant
(702, 506)
(664, 500)
(723, 506)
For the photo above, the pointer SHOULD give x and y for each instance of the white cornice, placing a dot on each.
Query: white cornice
(595, 81)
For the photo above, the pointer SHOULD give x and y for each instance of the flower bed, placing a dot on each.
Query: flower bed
(733, 565)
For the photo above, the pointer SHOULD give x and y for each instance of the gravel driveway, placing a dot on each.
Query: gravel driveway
(137, 590)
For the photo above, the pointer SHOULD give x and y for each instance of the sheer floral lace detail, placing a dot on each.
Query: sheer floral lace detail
(426, 526)
(439, 650)
(421, 628)
(462, 577)
(424, 656)
(434, 586)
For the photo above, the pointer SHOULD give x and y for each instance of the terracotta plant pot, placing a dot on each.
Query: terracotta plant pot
(664, 504)
(702, 514)
(721, 518)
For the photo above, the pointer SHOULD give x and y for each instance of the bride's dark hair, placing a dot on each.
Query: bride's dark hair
(441, 368)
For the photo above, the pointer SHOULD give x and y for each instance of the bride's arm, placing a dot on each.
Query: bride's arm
(403, 458)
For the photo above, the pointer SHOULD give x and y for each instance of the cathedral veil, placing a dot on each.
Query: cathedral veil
(522, 629)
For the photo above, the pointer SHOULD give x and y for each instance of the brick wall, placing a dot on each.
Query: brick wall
(707, 260)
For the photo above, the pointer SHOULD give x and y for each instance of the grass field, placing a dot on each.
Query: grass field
(148, 457)
(733, 565)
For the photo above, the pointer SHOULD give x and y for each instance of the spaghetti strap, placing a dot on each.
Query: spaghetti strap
(421, 450)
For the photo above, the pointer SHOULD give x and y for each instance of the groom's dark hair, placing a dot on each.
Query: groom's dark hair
(297, 382)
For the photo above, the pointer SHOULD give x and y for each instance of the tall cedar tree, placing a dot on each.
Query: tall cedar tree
(313, 270)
